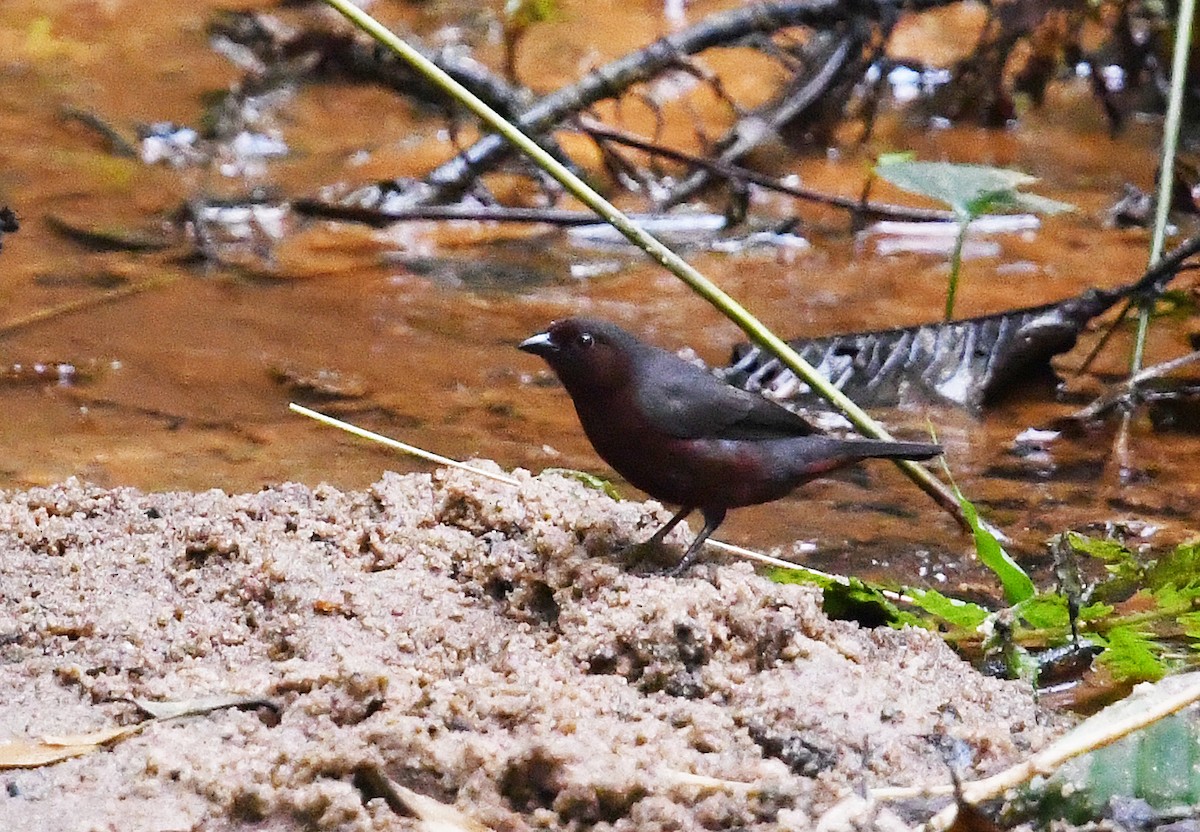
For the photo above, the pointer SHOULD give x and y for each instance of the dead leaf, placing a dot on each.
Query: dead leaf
(434, 816)
(50, 749)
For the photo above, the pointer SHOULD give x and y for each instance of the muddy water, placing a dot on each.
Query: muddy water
(184, 385)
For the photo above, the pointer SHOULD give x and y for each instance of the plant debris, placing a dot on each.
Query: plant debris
(48, 750)
(968, 362)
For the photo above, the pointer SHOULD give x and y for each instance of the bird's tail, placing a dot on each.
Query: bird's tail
(828, 453)
(882, 449)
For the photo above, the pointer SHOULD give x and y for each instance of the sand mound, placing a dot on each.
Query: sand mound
(474, 642)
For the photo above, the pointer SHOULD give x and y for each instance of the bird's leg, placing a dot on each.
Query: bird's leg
(661, 534)
(712, 518)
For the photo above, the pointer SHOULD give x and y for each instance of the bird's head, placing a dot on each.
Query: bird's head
(590, 357)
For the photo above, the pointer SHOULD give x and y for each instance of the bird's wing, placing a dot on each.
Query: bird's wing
(682, 400)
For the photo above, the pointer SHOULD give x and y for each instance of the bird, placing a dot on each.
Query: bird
(684, 436)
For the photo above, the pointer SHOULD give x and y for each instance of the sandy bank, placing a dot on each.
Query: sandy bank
(475, 642)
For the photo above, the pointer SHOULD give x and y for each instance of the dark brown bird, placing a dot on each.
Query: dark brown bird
(684, 436)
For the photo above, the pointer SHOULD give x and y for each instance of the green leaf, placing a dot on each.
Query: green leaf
(1095, 612)
(1131, 655)
(961, 614)
(1110, 551)
(799, 575)
(850, 599)
(895, 158)
(856, 600)
(1180, 569)
(1036, 204)
(1044, 612)
(1126, 571)
(590, 480)
(1170, 599)
(1017, 585)
(969, 190)
(1190, 622)
(524, 13)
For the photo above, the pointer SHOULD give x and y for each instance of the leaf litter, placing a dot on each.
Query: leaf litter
(53, 749)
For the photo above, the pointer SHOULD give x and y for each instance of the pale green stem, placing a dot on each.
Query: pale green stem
(1166, 172)
(964, 225)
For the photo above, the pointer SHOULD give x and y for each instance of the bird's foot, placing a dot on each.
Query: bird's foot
(685, 562)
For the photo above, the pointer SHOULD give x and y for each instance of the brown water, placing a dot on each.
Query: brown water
(183, 390)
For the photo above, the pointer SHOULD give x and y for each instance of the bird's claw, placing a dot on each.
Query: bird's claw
(685, 562)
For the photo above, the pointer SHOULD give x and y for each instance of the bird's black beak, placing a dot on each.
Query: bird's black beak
(540, 344)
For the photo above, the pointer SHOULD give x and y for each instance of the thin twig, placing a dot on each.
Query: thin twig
(1129, 387)
(1175, 266)
(84, 303)
(757, 127)
(599, 130)
(398, 445)
(561, 217)
(118, 144)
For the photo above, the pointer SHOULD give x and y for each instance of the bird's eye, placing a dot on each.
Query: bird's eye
(585, 340)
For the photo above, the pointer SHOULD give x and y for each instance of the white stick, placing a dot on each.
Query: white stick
(400, 446)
